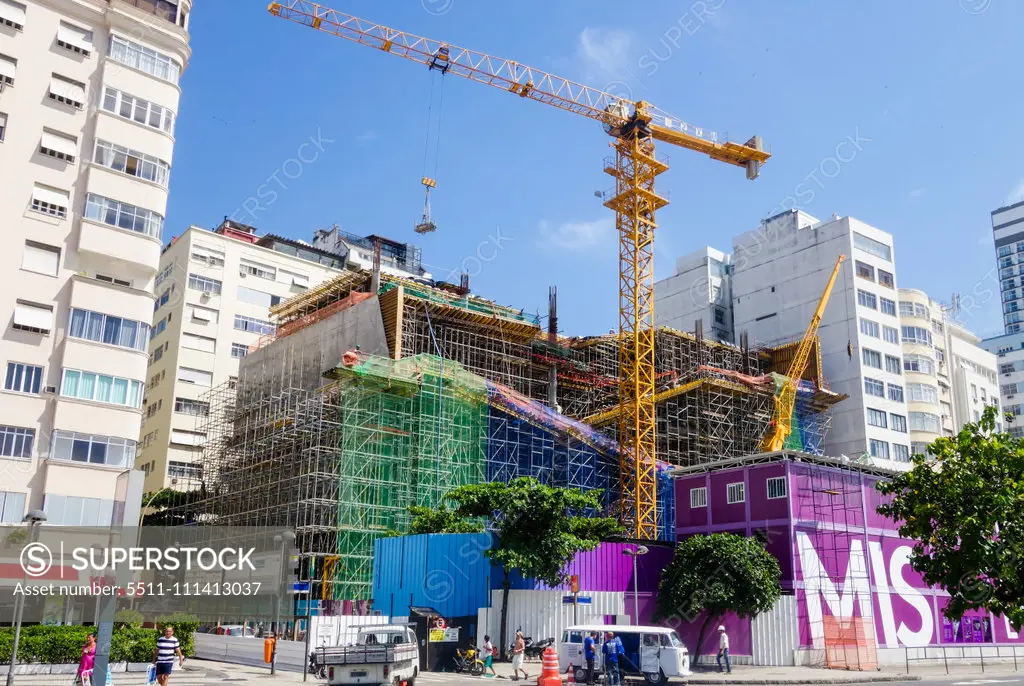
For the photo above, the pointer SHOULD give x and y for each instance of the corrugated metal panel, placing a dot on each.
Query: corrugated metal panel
(776, 634)
(542, 614)
(604, 569)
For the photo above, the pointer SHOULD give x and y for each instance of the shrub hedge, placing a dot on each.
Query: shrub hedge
(63, 644)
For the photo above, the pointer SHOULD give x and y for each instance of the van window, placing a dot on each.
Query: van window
(674, 641)
(574, 637)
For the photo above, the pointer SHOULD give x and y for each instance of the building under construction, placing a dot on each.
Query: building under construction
(375, 394)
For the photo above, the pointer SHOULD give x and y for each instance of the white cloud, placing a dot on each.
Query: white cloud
(916, 193)
(579, 235)
(1016, 195)
(604, 52)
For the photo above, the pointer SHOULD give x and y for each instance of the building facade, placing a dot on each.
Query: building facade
(396, 259)
(214, 292)
(1009, 352)
(700, 289)
(88, 99)
(1008, 234)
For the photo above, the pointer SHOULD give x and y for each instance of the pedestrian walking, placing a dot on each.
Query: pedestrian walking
(723, 649)
(167, 647)
(518, 655)
(489, 657)
(612, 649)
(590, 654)
(85, 665)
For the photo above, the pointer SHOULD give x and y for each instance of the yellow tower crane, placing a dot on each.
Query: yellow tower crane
(782, 420)
(635, 126)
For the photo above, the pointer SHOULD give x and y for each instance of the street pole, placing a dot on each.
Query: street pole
(33, 518)
(309, 629)
(285, 539)
(636, 593)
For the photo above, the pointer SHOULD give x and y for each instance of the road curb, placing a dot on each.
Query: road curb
(762, 682)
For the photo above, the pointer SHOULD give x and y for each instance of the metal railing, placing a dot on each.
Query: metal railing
(160, 8)
(971, 654)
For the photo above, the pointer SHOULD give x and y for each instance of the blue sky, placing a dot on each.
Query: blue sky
(931, 92)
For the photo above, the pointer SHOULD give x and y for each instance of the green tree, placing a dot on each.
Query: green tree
(537, 529)
(717, 574)
(168, 507)
(964, 508)
(428, 520)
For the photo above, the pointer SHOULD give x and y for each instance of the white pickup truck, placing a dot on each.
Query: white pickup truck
(385, 655)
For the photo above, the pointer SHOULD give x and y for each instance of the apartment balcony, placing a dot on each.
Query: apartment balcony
(114, 243)
(162, 9)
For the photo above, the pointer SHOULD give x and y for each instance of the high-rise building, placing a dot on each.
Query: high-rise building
(214, 293)
(698, 290)
(1009, 352)
(396, 259)
(88, 98)
(1008, 233)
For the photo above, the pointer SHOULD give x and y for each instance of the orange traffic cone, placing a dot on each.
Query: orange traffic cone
(549, 675)
(572, 674)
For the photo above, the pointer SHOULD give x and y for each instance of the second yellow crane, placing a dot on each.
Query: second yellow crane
(635, 126)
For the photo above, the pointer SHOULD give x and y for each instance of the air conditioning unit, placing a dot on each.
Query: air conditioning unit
(206, 295)
(243, 274)
(174, 481)
(50, 389)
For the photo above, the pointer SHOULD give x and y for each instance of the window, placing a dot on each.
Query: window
(3, 126)
(191, 438)
(71, 510)
(23, 378)
(1005, 250)
(101, 388)
(898, 422)
(974, 391)
(919, 363)
(900, 453)
(872, 247)
(160, 327)
(871, 358)
(145, 59)
(879, 449)
(132, 162)
(207, 256)
(8, 69)
(12, 505)
(918, 448)
(12, 14)
(888, 306)
(699, 497)
(293, 278)
(260, 298)
(93, 449)
(892, 364)
(734, 493)
(40, 258)
(138, 110)
(923, 393)
(67, 91)
(58, 145)
(108, 329)
(924, 421)
(33, 317)
(937, 327)
(203, 315)
(890, 334)
(895, 393)
(51, 201)
(74, 38)
(885, 279)
(869, 328)
(906, 309)
(867, 299)
(163, 275)
(184, 470)
(874, 387)
(123, 215)
(1007, 368)
(16, 441)
(865, 271)
(205, 284)
(195, 376)
(194, 342)
(877, 418)
(776, 487)
(195, 408)
(239, 350)
(256, 269)
(916, 334)
(253, 325)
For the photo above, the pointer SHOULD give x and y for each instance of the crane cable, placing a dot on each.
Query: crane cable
(430, 119)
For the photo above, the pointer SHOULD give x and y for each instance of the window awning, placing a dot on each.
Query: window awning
(13, 12)
(34, 316)
(67, 89)
(74, 36)
(50, 195)
(8, 66)
(59, 143)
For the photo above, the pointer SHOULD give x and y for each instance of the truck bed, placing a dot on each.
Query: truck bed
(366, 654)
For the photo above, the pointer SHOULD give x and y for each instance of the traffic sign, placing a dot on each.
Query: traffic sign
(299, 587)
(582, 600)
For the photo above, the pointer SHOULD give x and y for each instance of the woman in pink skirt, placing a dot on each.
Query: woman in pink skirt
(85, 665)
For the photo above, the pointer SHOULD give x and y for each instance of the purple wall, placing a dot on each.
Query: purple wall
(834, 564)
(605, 568)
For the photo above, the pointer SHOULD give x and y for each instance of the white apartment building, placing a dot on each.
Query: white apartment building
(88, 98)
(214, 290)
(1008, 233)
(396, 259)
(1009, 352)
(700, 289)
(951, 379)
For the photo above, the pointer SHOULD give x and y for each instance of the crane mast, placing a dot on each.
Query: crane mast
(785, 399)
(635, 126)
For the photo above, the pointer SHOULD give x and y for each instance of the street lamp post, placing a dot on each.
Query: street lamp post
(636, 552)
(33, 519)
(285, 539)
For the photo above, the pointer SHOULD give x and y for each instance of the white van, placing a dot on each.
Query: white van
(654, 652)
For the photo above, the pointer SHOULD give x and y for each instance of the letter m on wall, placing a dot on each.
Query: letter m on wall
(818, 585)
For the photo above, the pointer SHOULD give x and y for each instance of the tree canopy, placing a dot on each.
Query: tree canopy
(168, 507)
(964, 508)
(426, 520)
(718, 573)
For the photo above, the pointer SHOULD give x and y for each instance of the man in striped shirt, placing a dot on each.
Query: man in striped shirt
(167, 647)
